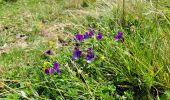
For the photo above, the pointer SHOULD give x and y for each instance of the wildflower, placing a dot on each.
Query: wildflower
(49, 70)
(99, 36)
(56, 67)
(45, 64)
(76, 54)
(103, 57)
(48, 52)
(118, 36)
(90, 50)
(86, 35)
(51, 44)
(79, 37)
(90, 55)
(91, 33)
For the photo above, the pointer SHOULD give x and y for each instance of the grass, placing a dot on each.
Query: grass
(137, 68)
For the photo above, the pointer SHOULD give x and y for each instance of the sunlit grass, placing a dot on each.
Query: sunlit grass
(137, 68)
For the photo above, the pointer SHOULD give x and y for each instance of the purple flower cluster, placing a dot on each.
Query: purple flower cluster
(89, 34)
(90, 55)
(77, 53)
(118, 36)
(56, 67)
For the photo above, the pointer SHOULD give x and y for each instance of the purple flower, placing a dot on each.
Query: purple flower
(90, 49)
(79, 37)
(99, 36)
(48, 52)
(91, 33)
(76, 54)
(86, 35)
(118, 36)
(49, 70)
(90, 55)
(56, 67)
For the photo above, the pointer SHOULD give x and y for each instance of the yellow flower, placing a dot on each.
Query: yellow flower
(103, 57)
(51, 44)
(46, 64)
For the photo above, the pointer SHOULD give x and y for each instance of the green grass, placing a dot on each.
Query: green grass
(138, 68)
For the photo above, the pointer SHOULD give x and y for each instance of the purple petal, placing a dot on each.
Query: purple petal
(74, 57)
(99, 36)
(49, 70)
(91, 33)
(86, 35)
(79, 37)
(56, 67)
(120, 33)
(90, 56)
(76, 54)
(90, 49)
(116, 37)
(119, 36)
(48, 52)
(46, 71)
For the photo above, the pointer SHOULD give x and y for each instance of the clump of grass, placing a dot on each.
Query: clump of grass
(78, 3)
(9, 0)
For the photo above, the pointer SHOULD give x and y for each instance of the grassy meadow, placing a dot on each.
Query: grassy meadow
(44, 54)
